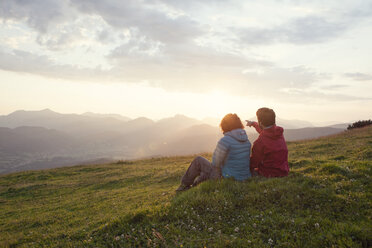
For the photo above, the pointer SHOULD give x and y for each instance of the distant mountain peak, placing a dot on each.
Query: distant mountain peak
(32, 112)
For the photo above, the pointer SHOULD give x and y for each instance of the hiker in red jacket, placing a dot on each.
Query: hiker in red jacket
(269, 157)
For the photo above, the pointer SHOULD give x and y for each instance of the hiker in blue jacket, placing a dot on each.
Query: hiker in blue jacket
(230, 158)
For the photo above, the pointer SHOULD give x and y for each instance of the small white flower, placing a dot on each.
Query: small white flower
(316, 225)
(219, 217)
(270, 241)
(265, 191)
(117, 238)
(236, 229)
(249, 241)
(210, 229)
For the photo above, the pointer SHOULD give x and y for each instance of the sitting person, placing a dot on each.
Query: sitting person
(230, 158)
(269, 152)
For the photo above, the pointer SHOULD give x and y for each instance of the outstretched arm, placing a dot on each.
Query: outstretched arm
(255, 125)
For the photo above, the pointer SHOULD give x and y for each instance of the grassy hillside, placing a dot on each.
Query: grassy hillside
(325, 202)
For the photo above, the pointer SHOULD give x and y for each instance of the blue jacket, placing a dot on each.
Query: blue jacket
(232, 154)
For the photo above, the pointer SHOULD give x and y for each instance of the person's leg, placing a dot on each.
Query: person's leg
(199, 167)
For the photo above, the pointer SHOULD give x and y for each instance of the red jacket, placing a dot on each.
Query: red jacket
(269, 152)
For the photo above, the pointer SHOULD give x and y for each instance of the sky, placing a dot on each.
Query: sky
(308, 60)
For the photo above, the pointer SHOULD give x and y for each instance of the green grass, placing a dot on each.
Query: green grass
(326, 201)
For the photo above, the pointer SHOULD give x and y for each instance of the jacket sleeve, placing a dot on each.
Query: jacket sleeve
(257, 155)
(257, 127)
(220, 153)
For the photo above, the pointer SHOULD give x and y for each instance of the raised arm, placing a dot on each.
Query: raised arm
(255, 125)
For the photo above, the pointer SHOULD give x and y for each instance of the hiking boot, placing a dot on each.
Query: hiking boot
(183, 187)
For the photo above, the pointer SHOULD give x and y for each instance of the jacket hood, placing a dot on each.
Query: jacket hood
(238, 134)
(273, 132)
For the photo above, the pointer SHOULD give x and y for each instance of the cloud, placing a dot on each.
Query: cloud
(158, 42)
(317, 96)
(22, 61)
(310, 29)
(150, 21)
(39, 14)
(146, 17)
(359, 76)
(334, 86)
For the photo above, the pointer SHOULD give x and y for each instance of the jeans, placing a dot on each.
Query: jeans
(199, 170)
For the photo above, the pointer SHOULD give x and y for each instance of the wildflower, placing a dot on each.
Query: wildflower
(210, 229)
(236, 229)
(316, 225)
(117, 238)
(219, 217)
(270, 241)
(249, 241)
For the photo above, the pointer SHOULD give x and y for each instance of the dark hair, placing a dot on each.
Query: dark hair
(231, 122)
(266, 116)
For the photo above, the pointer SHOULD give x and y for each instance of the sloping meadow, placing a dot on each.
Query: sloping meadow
(324, 202)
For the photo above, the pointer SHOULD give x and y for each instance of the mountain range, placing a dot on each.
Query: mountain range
(46, 139)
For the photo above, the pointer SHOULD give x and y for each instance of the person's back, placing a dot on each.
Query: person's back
(237, 160)
(269, 152)
(231, 157)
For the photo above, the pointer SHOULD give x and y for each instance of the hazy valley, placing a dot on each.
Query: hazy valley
(46, 139)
